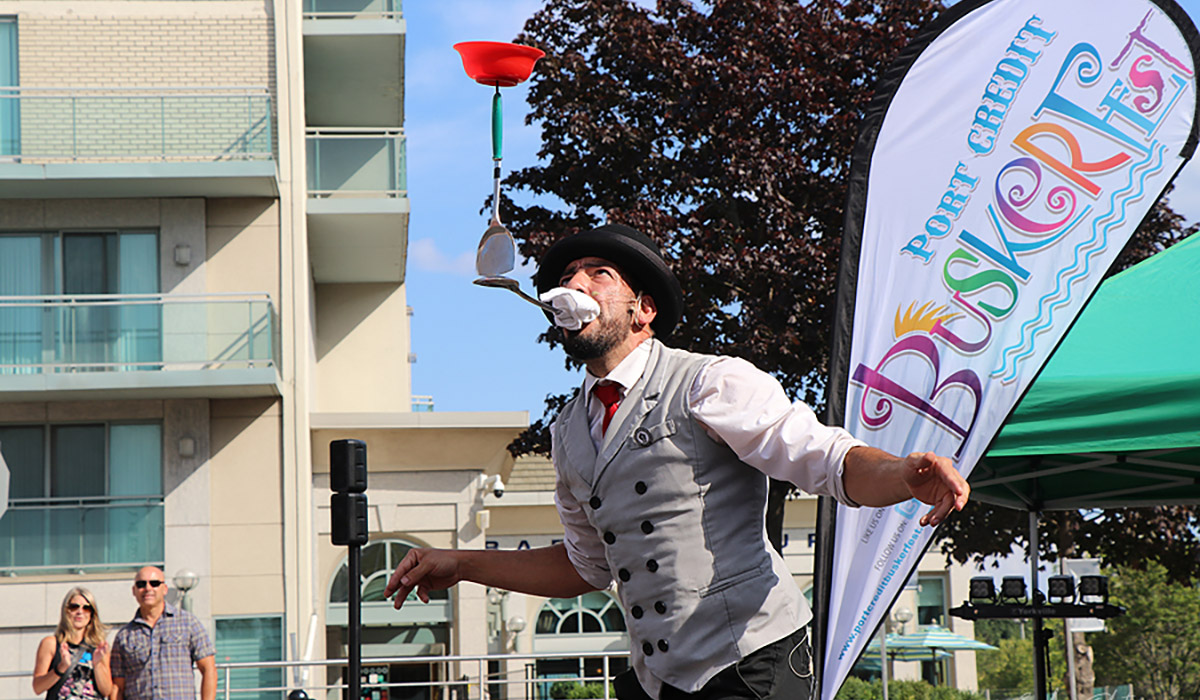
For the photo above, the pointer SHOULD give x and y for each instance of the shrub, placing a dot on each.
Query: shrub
(857, 689)
(575, 690)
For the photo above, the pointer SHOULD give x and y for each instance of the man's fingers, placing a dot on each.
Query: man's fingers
(397, 582)
(402, 569)
(940, 511)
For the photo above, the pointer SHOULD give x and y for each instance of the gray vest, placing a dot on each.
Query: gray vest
(682, 519)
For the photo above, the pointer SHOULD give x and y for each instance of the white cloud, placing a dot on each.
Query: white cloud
(425, 255)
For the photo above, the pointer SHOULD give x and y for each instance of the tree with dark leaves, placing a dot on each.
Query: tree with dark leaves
(723, 134)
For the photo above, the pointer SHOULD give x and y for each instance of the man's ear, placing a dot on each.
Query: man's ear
(646, 310)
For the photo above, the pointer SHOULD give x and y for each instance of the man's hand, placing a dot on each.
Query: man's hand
(425, 570)
(934, 480)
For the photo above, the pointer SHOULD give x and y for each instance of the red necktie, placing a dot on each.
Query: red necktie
(610, 396)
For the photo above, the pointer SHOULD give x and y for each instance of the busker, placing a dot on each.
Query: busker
(661, 462)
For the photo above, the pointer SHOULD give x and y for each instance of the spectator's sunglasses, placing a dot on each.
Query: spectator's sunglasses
(152, 584)
(75, 606)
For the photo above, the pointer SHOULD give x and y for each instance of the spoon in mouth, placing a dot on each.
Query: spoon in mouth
(512, 285)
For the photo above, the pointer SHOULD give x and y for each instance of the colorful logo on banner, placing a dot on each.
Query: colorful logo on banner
(985, 272)
(1019, 152)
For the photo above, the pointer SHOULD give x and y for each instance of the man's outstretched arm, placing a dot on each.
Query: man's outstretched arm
(875, 478)
(545, 572)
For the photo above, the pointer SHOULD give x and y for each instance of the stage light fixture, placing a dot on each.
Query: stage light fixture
(982, 590)
(1061, 589)
(1093, 589)
(1012, 589)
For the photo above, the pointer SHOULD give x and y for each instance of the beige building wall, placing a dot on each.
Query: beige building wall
(246, 507)
(362, 343)
(242, 241)
(144, 44)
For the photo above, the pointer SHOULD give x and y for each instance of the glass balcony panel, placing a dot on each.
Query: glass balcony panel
(140, 332)
(350, 163)
(352, 9)
(89, 533)
(96, 124)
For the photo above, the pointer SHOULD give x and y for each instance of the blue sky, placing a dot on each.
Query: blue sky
(476, 347)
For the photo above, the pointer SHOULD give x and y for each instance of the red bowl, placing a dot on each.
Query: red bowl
(498, 63)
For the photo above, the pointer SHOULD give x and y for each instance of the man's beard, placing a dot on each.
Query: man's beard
(606, 336)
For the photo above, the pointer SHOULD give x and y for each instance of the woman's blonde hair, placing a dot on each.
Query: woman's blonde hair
(95, 631)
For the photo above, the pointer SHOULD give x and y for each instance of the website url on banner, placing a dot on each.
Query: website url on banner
(883, 584)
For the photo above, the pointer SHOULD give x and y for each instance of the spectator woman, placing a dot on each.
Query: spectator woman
(73, 662)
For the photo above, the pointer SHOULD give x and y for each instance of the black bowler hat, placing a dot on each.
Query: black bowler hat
(633, 252)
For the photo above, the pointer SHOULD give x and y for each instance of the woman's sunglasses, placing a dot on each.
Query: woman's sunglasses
(75, 606)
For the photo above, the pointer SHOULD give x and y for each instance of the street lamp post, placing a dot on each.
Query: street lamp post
(901, 616)
(185, 580)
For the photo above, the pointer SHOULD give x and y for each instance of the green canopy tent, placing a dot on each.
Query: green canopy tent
(1113, 420)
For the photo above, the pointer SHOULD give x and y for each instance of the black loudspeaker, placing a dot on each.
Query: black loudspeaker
(348, 466)
(348, 518)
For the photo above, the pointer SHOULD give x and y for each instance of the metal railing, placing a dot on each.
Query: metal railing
(70, 124)
(422, 403)
(353, 9)
(356, 162)
(135, 332)
(80, 534)
(463, 676)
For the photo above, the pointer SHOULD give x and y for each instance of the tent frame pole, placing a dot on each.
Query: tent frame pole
(1039, 634)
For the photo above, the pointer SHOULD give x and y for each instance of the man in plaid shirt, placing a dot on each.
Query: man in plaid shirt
(152, 656)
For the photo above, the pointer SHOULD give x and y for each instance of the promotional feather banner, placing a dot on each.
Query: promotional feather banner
(1006, 160)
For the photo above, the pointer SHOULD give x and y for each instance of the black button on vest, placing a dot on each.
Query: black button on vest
(652, 566)
(637, 612)
(662, 644)
(594, 502)
(647, 648)
(647, 527)
(623, 574)
(660, 608)
(609, 538)
(640, 487)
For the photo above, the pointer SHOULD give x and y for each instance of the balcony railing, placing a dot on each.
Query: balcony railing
(353, 9)
(84, 534)
(51, 125)
(135, 332)
(356, 163)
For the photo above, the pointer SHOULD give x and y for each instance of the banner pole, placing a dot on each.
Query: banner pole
(822, 585)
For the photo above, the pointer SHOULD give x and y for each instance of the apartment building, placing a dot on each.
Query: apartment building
(203, 232)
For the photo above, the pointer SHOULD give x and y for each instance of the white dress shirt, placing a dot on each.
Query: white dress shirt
(739, 405)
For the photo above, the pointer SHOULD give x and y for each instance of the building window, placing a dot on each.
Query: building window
(82, 496)
(79, 298)
(248, 639)
(931, 610)
(10, 105)
(931, 601)
(585, 627)
(591, 613)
